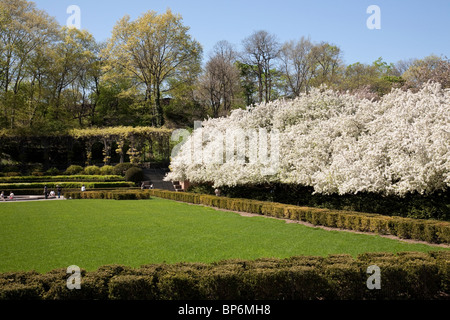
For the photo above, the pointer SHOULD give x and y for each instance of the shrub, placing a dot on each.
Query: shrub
(12, 174)
(102, 194)
(179, 286)
(134, 174)
(132, 287)
(107, 170)
(121, 168)
(74, 169)
(408, 275)
(52, 172)
(91, 170)
(19, 291)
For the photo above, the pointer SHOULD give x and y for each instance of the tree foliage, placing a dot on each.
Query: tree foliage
(151, 51)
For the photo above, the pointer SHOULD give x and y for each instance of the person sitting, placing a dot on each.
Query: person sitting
(2, 196)
(52, 193)
(11, 196)
(83, 188)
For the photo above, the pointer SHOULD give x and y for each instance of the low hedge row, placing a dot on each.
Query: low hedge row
(40, 192)
(435, 205)
(65, 178)
(108, 194)
(407, 275)
(432, 231)
(66, 185)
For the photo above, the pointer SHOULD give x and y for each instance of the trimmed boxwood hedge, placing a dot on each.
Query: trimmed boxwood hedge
(433, 231)
(406, 275)
(65, 178)
(108, 194)
(66, 185)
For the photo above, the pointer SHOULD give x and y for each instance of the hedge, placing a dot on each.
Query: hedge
(434, 205)
(64, 178)
(108, 194)
(404, 276)
(68, 185)
(432, 231)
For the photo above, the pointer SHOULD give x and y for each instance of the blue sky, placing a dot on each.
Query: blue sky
(409, 29)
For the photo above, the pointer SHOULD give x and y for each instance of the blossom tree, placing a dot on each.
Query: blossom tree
(333, 142)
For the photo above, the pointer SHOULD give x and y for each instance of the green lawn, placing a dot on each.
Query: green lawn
(45, 235)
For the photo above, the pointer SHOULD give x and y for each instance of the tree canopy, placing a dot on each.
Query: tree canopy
(152, 72)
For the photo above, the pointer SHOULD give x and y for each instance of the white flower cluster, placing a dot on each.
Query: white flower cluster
(336, 143)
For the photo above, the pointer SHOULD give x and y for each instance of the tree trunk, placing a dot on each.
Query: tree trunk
(159, 110)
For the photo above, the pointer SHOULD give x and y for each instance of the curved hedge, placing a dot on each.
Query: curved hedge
(407, 275)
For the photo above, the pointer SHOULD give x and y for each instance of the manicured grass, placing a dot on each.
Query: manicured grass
(45, 235)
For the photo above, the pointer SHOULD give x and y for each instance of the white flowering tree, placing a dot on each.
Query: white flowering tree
(335, 143)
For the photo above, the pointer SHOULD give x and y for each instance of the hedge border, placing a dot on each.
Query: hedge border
(431, 231)
(67, 185)
(108, 194)
(404, 276)
(62, 178)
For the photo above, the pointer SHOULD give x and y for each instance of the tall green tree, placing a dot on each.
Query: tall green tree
(24, 32)
(370, 80)
(74, 73)
(152, 50)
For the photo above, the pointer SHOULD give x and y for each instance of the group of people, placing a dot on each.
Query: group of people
(47, 194)
(3, 197)
(52, 193)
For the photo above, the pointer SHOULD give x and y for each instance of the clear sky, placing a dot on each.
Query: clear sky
(409, 28)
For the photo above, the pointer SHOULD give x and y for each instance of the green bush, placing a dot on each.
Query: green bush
(406, 275)
(107, 170)
(74, 169)
(417, 206)
(18, 291)
(12, 174)
(121, 168)
(103, 194)
(132, 287)
(134, 174)
(91, 170)
(52, 172)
